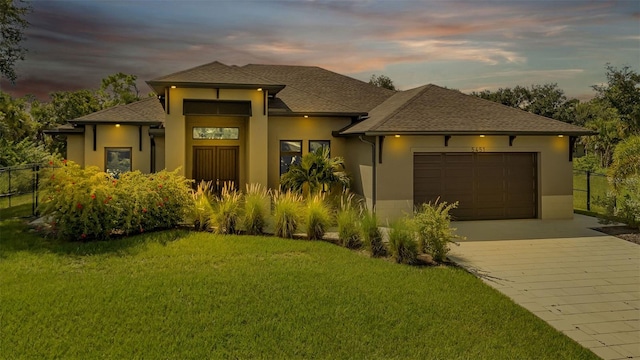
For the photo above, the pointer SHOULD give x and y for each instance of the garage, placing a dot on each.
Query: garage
(487, 185)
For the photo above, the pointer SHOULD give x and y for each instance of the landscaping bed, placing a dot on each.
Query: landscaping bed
(623, 232)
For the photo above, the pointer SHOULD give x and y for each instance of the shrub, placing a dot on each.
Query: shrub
(227, 210)
(432, 221)
(256, 209)
(348, 222)
(371, 235)
(316, 172)
(589, 162)
(202, 209)
(317, 217)
(623, 204)
(88, 203)
(287, 213)
(79, 202)
(626, 158)
(402, 242)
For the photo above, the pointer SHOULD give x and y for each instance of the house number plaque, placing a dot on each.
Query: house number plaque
(478, 149)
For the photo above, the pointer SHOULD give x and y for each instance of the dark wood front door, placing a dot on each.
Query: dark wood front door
(218, 164)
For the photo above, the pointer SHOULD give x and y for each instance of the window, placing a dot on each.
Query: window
(117, 161)
(216, 133)
(316, 144)
(290, 153)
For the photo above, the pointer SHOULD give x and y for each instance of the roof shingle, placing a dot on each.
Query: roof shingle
(432, 109)
(145, 111)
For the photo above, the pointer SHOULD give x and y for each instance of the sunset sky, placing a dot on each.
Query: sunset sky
(466, 45)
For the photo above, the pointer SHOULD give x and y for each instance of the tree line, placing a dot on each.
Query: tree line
(23, 120)
(614, 111)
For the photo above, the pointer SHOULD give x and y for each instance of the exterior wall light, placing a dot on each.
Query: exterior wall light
(306, 116)
(173, 86)
(397, 135)
(117, 125)
(481, 135)
(560, 135)
(259, 89)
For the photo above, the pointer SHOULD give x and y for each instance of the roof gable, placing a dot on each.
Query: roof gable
(145, 111)
(432, 109)
(312, 84)
(214, 73)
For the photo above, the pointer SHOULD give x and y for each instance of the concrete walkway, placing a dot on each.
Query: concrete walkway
(582, 282)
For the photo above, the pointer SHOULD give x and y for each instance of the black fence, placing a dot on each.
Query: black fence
(589, 189)
(19, 190)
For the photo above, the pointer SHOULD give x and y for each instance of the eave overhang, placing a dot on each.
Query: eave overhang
(114, 122)
(467, 133)
(160, 86)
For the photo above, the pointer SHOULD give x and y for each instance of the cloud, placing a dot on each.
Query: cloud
(462, 50)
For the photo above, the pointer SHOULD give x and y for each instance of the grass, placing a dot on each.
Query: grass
(21, 206)
(182, 295)
(599, 188)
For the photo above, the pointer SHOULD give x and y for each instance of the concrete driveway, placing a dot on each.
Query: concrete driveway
(582, 282)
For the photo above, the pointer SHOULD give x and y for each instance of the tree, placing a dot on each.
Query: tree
(15, 122)
(518, 97)
(606, 121)
(64, 106)
(382, 81)
(626, 158)
(316, 172)
(12, 26)
(545, 100)
(622, 92)
(118, 89)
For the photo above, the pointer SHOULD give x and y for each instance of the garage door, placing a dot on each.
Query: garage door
(486, 185)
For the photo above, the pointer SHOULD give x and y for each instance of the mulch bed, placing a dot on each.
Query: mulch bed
(622, 232)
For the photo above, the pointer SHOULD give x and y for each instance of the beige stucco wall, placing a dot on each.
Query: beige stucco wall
(359, 166)
(111, 136)
(159, 140)
(305, 129)
(395, 173)
(256, 130)
(75, 148)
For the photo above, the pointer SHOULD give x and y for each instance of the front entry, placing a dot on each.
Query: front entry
(218, 164)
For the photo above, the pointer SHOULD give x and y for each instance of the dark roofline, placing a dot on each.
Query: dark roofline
(319, 114)
(113, 122)
(62, 130)
(158, 85)
(479, 132)
(340, 133)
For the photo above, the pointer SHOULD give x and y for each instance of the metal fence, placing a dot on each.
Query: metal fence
(588, 189)
(19, 191)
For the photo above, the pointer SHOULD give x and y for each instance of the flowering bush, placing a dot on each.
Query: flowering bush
(89, 203)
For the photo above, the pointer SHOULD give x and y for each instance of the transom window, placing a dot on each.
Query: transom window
(317, 144)
(290, 153)
(216, 133)
(117, 161)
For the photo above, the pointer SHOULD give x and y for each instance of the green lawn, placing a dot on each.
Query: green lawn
(180, 295)
(21, 206)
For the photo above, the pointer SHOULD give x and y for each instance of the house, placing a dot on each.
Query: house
(247, 124)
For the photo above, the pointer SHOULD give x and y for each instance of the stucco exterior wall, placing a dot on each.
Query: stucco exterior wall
(358, 160)
(160, 145)
(305, 129)
(256, 130)
(395, 173)
(75, 148)
(125, 136)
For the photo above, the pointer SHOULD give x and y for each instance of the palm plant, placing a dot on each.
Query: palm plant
(317, 172)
